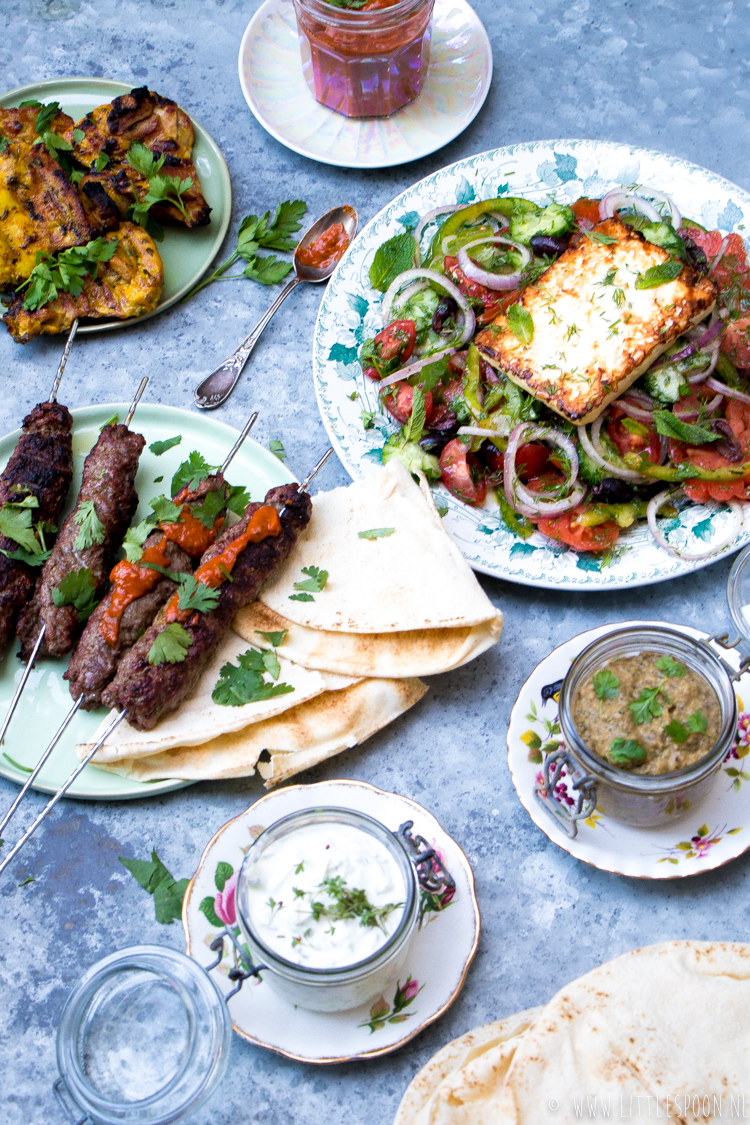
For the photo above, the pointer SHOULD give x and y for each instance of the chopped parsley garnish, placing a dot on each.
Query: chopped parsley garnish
(313, 584)
(237, 686)
(376, 533)
(239, 498)
(277, 449)
(191, 473)
(64, 273)
(670, 666)
(102, 160)
(91, 530)
(274, 639)
(195, 595)
(626, 753)
(77, 588)
(134, 539)
(694, 724)
(606, 684)
(165, 511)
(159, 447)
(212, 507)
(648, 705)
(170, 646)
(161, 189)
(16, 524)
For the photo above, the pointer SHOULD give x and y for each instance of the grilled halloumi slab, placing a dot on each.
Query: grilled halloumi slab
(594, 332)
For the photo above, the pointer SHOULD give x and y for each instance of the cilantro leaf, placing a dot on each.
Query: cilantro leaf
(694, 724)
(239, 498)
(77, 588)
(667, 424)
(79, 136)
(600, 237)
(65, 273)
(697, 722)
(45, 117)
(191, 473)
(134, 539)
(670, 666)
(156, 880)
(237, 686)
(606, 684)
(647, 706)
(315, 582)
(212, 507)
(115, 418)
(159, 447)
(15, 524)
(170, 646)
(271, 665)
(521, 324)
(626, 753)
(197, 596)
(274, 639)
(91, 529)
(376, 533)
(277, 449)
(301, 598)
(101, 162)
(24, 556)
(659, 275)
(165, 511)
(391, 259)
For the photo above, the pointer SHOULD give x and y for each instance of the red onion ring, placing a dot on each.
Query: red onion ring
(412, 368)
(635, 411)
(426, 220)
(445, 283)
(486, 277)
(701, 376)
(658, 502)
(618, 200)
(708, 408)
(590, 446)
(640, 397)
(676, 217)
(730, 392)
(720, 255)
(522, 499)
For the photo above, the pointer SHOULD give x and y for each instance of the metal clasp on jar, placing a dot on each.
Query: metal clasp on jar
(722, 639)
(432, 874)
(583, 783)
(236, 974)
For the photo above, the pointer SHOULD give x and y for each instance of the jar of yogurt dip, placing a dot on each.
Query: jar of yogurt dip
(647, 715)
(328, 900)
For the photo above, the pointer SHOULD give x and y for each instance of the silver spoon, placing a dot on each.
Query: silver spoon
(218, 386)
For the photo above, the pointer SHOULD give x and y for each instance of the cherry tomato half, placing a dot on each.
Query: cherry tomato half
(578, 536)
(531, 459)
(630, 441)
(399, 401)
(460, 471)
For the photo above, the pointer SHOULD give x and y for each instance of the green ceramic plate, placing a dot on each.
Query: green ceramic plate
(47, 700)
(186, 254)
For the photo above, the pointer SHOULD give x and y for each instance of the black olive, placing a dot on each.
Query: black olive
(446, 310)
(435, 442)
(728, 447)
(551, 245)
(695, 255)
(612, 490)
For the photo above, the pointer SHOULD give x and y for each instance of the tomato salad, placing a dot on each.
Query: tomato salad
(683, 429)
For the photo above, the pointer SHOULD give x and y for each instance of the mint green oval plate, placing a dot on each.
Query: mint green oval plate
(46, 699)
(186, 254)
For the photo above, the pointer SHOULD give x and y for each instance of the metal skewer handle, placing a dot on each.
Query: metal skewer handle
(63, 360)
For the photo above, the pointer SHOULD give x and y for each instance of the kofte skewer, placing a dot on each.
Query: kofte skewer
(94, 661)
(108, 479)
(244, 587)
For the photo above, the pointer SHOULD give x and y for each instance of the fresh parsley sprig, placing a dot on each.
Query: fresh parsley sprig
(245, 681)
(170, 646)
(161, 189)
(262, 233)
(64, 273)
(16, 524)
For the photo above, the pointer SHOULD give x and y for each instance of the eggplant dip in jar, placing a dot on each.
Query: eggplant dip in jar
(649, 714)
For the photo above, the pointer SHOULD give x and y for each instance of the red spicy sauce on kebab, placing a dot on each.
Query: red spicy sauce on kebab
(263, 524)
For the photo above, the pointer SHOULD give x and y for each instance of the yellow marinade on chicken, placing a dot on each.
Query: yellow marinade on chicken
(39, 207)
(595, 330)
(111, 183)
(129, 284)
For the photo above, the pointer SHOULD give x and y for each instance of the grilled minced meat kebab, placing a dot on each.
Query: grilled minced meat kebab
(140, 117)
(77, 570)
(129, 284)
(138, 592)
(41, 466)
(39, 206)
(236, 566)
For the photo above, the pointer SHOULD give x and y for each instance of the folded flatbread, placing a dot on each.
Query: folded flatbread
(295, 740)
(402, 603)
(462, 1083)
(667, 1021)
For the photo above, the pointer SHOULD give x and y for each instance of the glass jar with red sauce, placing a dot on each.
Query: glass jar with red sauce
(368, 61)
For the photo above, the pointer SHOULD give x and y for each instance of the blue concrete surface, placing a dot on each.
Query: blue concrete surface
(668, 75)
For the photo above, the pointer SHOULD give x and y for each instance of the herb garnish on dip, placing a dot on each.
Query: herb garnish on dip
(325, 895)
(648, 714)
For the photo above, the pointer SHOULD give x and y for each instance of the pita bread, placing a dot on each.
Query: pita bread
(414, 578)
(418, 652)
(669, 1020)
(199, 719)
(296, 740)
(461, 1084)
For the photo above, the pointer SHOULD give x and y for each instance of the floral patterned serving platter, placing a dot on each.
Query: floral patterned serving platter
(350, 313)
(275, 89)
(702, 838)
(441, 953)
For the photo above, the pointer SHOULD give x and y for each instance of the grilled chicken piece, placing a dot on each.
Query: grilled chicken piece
(142, 117)
(39, 207)
(129, 284)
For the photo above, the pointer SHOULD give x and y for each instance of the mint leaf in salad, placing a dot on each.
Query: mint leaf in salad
(659, 275)
(521, 324)
(391, 259)
(667, 424)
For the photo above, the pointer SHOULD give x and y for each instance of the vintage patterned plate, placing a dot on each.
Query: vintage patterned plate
(350, 313)
(278, 95)
(442, 951)
(716, 831)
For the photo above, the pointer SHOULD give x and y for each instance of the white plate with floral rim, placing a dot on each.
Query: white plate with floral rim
(704, 837)
(457, 84)
(441, 953)
(350, 313)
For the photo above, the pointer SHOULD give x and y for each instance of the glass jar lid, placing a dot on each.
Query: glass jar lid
(144, 1037)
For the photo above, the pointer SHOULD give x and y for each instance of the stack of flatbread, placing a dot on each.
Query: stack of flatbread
(400, 602)
(669, 1023)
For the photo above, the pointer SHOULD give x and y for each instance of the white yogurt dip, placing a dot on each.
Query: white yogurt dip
(302, 883)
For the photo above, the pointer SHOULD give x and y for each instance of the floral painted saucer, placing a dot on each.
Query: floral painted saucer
(707, 836)
(278, 95)
(441, 953)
